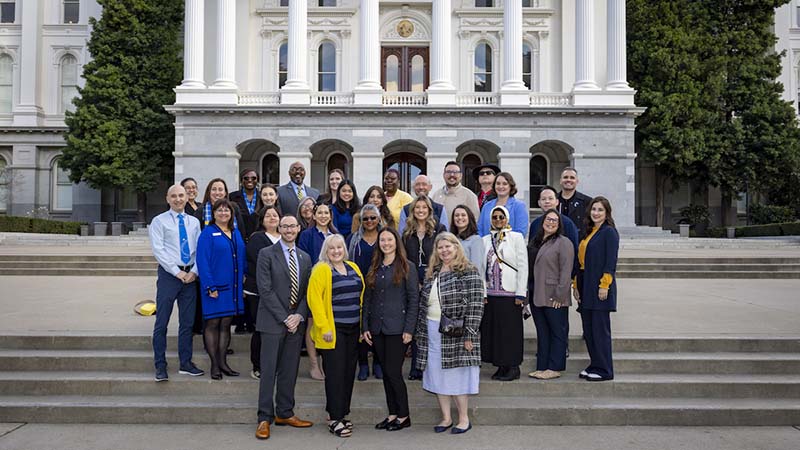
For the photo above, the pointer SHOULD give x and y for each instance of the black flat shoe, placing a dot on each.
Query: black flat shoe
(383, 424)
(230, 372)
(510, 375)
(497, 373)
(457, 430)
(397, 425)
(442, 428)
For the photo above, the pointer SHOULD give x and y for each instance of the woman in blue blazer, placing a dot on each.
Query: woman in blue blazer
(506, 188)
(222, 263)
(596, 287)
(310, 240)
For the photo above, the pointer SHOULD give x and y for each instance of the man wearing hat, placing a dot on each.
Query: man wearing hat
(173, 237)
(485, 175)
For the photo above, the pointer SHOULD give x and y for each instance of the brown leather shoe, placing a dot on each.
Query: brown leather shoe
(262, 432)
(293, 421)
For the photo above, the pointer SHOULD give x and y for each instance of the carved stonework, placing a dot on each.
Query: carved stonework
(411, 29)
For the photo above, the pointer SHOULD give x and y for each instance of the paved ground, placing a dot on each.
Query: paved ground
(240, 437)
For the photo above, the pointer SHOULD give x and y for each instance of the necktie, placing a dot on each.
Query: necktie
(293, 279)
(299, 193)
(186, 254)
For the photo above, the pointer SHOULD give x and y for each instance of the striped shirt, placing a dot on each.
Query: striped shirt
(346, 296)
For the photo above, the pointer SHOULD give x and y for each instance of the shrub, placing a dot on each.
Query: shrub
(716, 232)
(772, 229)
(790, 229)
(765, 214)
(16, 224)
(695, 215)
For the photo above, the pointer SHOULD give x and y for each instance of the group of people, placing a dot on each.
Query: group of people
(447, 276)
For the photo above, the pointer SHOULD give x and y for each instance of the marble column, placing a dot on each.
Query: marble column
(226, 45)
(584, 53)
(29, 111)
(617, 68)
(193, 45)
(296, 90)
(368, 91)
(441, 90)
(513, 90)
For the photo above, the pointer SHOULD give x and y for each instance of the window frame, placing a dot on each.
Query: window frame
(5, 184)
(64, 4)
(488, 74)
(13, 20)
(321, 73)
(62, 107)
(10, 85)
(54, 188)
(279, 72)
(530, 84)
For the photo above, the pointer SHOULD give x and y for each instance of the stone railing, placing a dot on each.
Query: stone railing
(260, 98)
(405, 99)
(476, 99)
(540, 99)
(331, 98)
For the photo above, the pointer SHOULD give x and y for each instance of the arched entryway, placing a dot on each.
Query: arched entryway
(548, 159)
(328, 155)
(472, 154)
(408, 158)
(260, 155)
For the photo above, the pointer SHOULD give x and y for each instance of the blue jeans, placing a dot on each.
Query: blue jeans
(551, 337)
(169, 289)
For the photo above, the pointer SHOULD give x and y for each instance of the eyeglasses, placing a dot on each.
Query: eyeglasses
(452, 172)
(289, 226)
(250, 178)
(369, 218)
(551, 220)
(498, 217)
(486, 172)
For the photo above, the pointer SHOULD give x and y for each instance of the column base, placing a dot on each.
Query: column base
(445, 95)
(211, 96)
(603, 98)
(515, 97)
(185, 95)
(295, 97)
(368, 95)
(28, 116)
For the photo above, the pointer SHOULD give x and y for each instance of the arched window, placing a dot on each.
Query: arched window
(527, 66)
(338, 161)
(392, 73)
(69, 82)
(6, 84)
(417, 73)
(283, 64)
(538, 174)
(62, 189)
(4, 191)
(483, 68)
(326, 67)
(469, 163)
(270, 168)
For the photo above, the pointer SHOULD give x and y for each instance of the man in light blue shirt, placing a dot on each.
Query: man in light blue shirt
(422, 187)
(173, 237)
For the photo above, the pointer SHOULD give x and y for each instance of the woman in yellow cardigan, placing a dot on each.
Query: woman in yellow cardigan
(335, 294)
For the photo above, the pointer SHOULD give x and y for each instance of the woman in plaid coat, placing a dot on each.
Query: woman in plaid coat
(451, 365)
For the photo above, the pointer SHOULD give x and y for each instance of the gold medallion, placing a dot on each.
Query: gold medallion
(405, 28)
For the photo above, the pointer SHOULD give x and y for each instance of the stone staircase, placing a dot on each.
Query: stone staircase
(143, 264)
(659, 381)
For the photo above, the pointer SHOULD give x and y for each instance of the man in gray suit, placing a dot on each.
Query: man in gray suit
(282, 277)
(290, 194)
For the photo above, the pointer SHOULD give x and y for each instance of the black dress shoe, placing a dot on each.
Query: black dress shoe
(230, 372)
(216, 376)
(397, 425)
(497, 373)
(383, 424)
(512, 373)
(415, 375)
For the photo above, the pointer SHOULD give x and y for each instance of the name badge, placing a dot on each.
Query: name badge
(216, 234)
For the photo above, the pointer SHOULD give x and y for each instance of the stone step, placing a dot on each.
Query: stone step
(484, 410)
(87, 266)
(241, 343)
(120, 257)
(623, 386)
(115, 272)
(682, 267)
(624, 362)
(734, 275)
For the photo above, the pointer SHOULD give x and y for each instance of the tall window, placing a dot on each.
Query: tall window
(283, 64)
(7, 11)
(417, 73)
(326, 67)
(484, 3)
(62, 189)
(392, 73)
(72, 10)
(327, 3)
(284, 3)
(527, 66)
(538, 174)
(527, 3)
(3, 184)
(483, 68)
(270, 169)
(69, 82)
(6, 85)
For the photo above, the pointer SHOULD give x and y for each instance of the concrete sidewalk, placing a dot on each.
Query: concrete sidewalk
(647, 307)
(240, 437)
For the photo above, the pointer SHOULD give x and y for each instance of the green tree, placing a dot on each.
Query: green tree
(120, 136)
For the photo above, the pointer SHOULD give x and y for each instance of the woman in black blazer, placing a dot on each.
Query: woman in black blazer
(596, 287)
(389, 317)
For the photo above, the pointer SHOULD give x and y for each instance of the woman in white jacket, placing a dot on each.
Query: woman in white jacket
(506, 289)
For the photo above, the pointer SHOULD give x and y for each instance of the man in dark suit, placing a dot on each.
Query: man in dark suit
(570, 201)
(290, 194)
(282, 278)
(422, 187)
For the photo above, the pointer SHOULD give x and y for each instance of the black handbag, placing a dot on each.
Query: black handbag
(448, 326)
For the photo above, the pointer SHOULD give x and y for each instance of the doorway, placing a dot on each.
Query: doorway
(405, 69)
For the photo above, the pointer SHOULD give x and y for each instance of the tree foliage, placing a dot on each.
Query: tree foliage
(120, 135)
(706, 71)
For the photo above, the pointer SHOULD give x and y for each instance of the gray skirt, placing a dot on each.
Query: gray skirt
(455, 381)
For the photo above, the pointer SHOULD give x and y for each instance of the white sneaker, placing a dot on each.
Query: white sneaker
(255, 374)
(584, 374)
(593, 377)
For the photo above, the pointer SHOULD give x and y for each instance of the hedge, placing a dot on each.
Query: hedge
(772, 229)
(14, 224)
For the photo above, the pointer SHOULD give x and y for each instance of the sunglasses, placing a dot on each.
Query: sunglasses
(250, 178)
(498, 217)
(369, 218)
(486, 172)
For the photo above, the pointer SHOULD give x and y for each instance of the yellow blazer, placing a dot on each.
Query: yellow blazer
(320, 287)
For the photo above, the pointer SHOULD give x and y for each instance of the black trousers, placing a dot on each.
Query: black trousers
(392, 353)
(501, 332)
(551, 337)
(597, 333)
(339, 364)
(363, 354)
(251, 306)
